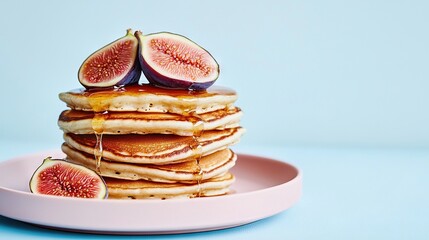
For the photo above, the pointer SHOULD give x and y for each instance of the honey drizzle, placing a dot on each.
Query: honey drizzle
(98, 127)
(97, 123)
(107, 94)
(100, 101)
(98, 151)
(197, 129)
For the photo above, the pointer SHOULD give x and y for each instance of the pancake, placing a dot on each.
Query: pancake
(141, 189)
(210, 166)
(155, 148)
(81, 122)
(148, 98)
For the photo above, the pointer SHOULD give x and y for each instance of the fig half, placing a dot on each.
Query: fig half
(60, 178)
(174, 61)
(115, 64)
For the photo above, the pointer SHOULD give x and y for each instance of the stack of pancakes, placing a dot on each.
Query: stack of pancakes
(150, 142)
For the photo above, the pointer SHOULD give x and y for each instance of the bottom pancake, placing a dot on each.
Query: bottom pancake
(142, 189)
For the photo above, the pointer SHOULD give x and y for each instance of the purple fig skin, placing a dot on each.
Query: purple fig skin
(131, 77)
(156, 78)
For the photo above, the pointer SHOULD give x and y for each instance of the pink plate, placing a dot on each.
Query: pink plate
(277, 184)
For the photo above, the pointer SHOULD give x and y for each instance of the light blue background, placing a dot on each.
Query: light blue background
(338, 88)
(330, 73)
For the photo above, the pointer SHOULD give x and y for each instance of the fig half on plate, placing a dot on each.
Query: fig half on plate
(60, 178)
(174, 61)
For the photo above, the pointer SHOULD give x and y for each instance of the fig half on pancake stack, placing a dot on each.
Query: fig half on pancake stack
(167, 138)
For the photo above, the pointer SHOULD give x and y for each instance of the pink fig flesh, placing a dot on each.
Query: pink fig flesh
(175, 61)
(115, 64)
(60, 178)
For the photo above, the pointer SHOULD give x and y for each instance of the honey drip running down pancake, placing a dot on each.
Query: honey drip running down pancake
(151, 142)
(147, 98)
(141, 189)
(82, 122)
(155, 148)
(211, 165)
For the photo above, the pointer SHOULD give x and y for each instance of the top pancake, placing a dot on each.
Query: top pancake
(148, 98)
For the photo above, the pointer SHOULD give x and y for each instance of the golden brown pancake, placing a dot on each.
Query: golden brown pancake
(82, 122)
(153, 142)
(207, 167)
(127, 189)
(155, 148)
(148, 98)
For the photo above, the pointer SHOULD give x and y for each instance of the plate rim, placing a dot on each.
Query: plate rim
(294, 183)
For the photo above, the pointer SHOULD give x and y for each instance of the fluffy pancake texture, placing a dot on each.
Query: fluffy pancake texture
(147, 98)
(81, 122)
(155, 148)
(154, 143)
(210, 166)
(141, 189)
